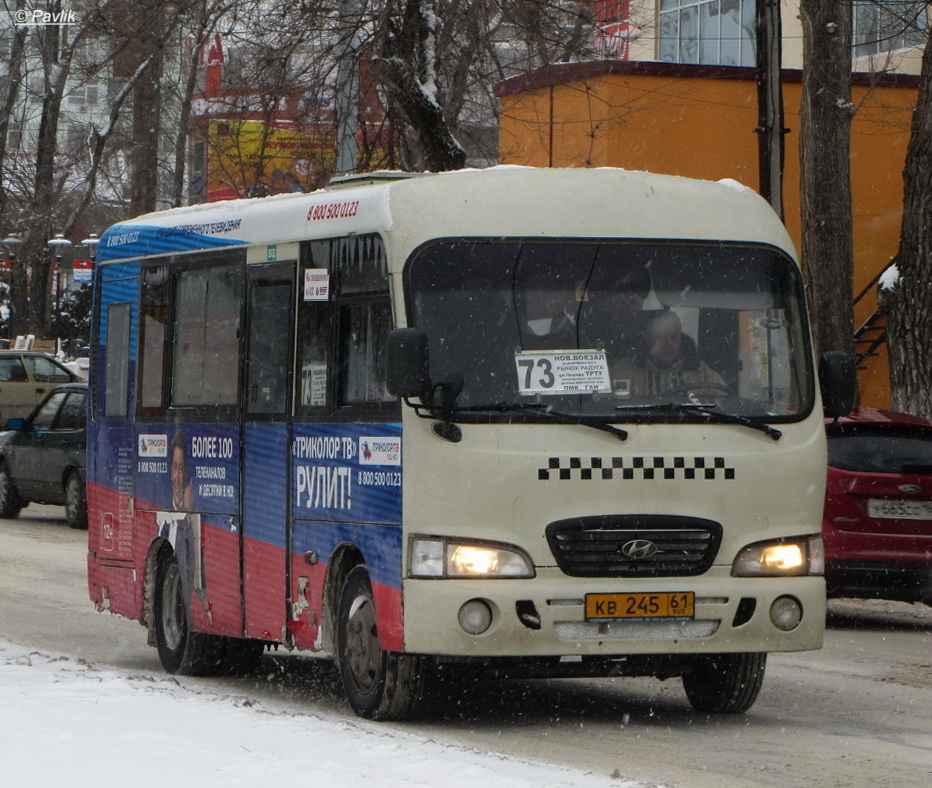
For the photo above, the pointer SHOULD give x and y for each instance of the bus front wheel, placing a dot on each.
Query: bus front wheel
(725, 683)
(379, 685)
(181, 650)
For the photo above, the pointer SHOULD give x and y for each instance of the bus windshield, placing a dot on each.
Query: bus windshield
(614, 330)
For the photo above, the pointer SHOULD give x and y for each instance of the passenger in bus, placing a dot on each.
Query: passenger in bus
(666, 360)
(550, 315)
(610, 313)
(594, 313)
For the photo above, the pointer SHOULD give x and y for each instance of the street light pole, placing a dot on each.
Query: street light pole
(57, 245)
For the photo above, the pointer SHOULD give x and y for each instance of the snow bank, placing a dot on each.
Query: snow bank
(65, 721)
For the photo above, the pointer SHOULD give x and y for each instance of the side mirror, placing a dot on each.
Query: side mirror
(16, 424)
(838, 379)
(406, 362)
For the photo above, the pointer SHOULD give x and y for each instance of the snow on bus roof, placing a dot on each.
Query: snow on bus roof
(544, 201)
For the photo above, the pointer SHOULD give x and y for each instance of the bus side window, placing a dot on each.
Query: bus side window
(314, 333)
(365, 318)
(153, 330)
(205, 366)
(364, 331)
(116, 374)
(268, 350)
(342, 332)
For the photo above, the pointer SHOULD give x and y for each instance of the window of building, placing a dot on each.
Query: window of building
(14, 138)
(879, 26)
(35, 90)
(76, 135)
(707, 32)
(84, 94)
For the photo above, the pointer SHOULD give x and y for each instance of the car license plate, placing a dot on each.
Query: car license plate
(679, 605)
(899, 509)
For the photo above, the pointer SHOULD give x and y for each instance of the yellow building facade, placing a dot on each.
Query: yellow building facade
(699, 121)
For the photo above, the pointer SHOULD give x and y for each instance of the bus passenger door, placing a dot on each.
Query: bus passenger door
(264, 545)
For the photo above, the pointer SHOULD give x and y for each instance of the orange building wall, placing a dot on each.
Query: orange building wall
(703, 127)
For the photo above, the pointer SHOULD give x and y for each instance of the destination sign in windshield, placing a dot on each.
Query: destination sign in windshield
(562, 372)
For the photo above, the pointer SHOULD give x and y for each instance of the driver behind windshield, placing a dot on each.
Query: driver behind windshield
(665, 361)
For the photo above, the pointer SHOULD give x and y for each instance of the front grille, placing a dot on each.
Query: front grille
(634, 545)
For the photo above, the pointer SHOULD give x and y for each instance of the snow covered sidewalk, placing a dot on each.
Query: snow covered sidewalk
(64, 721)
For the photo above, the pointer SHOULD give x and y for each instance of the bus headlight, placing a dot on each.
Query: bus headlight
(803, 555)
(439, 557)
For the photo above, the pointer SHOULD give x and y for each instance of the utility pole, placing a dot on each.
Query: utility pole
(347, 98)
(770, 129)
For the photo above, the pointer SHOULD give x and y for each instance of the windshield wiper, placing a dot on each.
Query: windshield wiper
(546, 411)
(706, 411)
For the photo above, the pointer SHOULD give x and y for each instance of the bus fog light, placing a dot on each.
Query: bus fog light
(786, 613)
(475, 616)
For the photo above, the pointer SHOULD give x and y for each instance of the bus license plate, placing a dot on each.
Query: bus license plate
(667, 605)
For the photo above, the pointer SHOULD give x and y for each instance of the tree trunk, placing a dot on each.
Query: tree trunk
(408, 72)
(9, 101)
(147, 102)
(825, 180)
(909, 303)
(46, 191)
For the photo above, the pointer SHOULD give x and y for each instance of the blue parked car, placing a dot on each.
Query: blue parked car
(42, 457)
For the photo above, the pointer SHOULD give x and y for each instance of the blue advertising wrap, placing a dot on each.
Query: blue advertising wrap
(346, 472)
(206, 463)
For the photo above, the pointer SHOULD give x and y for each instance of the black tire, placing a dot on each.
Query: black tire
(75, 501)
(725, 683)
(379, 685)
(11, 504)
(180, 649)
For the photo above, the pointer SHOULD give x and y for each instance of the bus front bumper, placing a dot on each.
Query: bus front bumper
(546, 616)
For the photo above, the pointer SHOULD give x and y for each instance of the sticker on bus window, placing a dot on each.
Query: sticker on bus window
(316, 284)
(562, 372)
(314, 385)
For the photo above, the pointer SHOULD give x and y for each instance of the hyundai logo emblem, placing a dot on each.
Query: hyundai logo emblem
(638, 549)
(909, 488)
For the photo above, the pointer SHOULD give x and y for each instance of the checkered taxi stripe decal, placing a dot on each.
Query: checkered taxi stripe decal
(561, 468)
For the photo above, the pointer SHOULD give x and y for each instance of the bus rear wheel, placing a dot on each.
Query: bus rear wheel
(725, 683)
(379, 685)
(181, 650)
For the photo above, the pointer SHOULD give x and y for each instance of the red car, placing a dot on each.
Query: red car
(878, 507)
